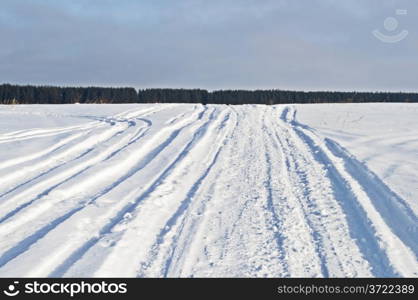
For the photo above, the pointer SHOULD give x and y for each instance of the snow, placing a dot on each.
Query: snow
(182, 190)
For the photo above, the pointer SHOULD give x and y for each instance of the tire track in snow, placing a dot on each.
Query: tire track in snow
(140, 132)
(39, 133)
(206, 240)
(74, 151)
(174, 225)
(295, 234)
(276, 220)
(199, 131)
(380, 230)
(27, 212)
(303, 206)
(22, 159)
(170, 259)
(338, 253)
(64, 142)
(255, 222)
(132, 206)
(51, 160)
(143, 161)
(31, 174)
(97, 122)
(41, 186)
(396, 213)
(49, 202)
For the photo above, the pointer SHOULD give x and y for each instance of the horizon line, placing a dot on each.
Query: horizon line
(213, 90)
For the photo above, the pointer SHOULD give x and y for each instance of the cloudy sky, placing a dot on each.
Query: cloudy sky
(213, 44)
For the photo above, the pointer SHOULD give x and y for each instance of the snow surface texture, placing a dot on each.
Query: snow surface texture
(209, 191)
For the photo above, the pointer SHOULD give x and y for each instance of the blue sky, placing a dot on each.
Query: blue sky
(248, 44)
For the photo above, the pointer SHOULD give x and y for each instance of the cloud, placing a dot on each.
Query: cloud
(288, 44)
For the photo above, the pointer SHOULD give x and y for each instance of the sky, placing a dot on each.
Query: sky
(211, 44)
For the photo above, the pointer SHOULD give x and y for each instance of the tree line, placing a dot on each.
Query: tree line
(18, 94)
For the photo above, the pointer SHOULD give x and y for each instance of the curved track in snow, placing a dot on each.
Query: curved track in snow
(197, 191)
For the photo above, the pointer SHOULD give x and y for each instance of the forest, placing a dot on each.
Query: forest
(29, 94)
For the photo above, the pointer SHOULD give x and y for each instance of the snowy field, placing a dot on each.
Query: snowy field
(328, 190)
